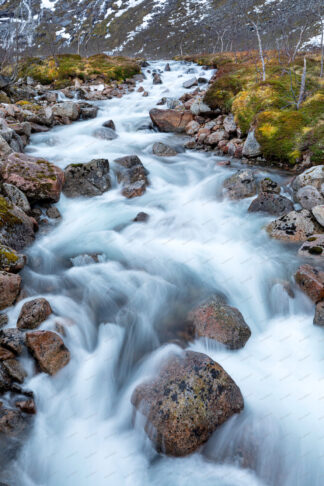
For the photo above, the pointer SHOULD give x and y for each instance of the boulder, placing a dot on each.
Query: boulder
(12, 339)
(192, 127)
(5, 148)
(16, 197)
(311, 281)
(215, 137)
(132, 174)
(105, 133)
(271, 203)
(268, 185)
(313, 247)
(26, 406)
(319, 314)
(14, 370)
(191, 396)
(109, 124)
(88, 111)
(16, 228)
(294, 226)
(10, 260)
(241, 184)
(53, 213)
(251, 147)
(190, 83)
(308, 197)
(12, 423)
(91, 179)
(163, 150)
(171, 120)
(310, 177)
(67, 109)
(33, 313)
(141, 217)
(229, 124)
(198, 107)
(3, 320)
(167, 67)
(219, 321)
(318, 213)
(37, 178)
(9, 288)
(49, 350)
(157, 79)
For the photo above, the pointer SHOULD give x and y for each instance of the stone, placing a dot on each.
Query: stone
(171, 120)
(313, 247)
(167, 67)
(5, 148)
(49, 350)
(229, 124)
(5, 354)
(26, 406)
(294, 226)
(91, 179)
(33, 313)
(241, 185)
(67, 109)
(157, 79)
(132, 174)
(192, 128)
(221, 322)
(215, 137)
(88, 111)
(190, 83)
(12, 423)
(141, 217)
(318, 213)
(3, 320)
(10, 260)
(16, 197)
(53, 212)
(251, 147)
(16, 228)
(319, 314)
(310, 177)
(308, 197)
(9, 289)
(37, 178)
(191, 396)
(105, 133)
(268, 185)
(199, 107)
(163, 150)
(109, 124)
(12, 339)
(271, 203)
(311, 282)
(14, 370)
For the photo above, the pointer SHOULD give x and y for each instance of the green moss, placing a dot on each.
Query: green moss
(8, 257)
(222, 92)
(7, 218)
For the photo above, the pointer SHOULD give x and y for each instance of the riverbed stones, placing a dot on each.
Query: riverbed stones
(49, 350)
(67, 109)
(251, 147)
(26, 406)
(141, 217)
(240, 185)
(37, 178)
(319, 314)
(318, 213)
(157, 79)
(191, 396)
(294, 226)
(272, 204)
(162, 150)
(190, 83)
(10, 260)
(268, 185)
(171, 120)
(16, 228)
(221, 322)
(16, 197)
(311, 282)
(132, 174)
(308, 197)
(90, 179)
(310, 177)
(105, 133)
(192, 127)
(109, 124)
(313, 247)
(15, 370)
(12, 423)
(33, 313)
(215, 137)
(9, 289)
(13, 339)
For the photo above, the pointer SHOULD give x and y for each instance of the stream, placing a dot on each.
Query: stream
(120, 316)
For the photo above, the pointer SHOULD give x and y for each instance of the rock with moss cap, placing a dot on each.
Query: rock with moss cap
(191, 396)
(16, 197)
(313, 247)
(16, 228)
(37, 178)
(10, 260)
(90, 179)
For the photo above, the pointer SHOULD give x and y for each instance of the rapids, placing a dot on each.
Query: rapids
(120, 313)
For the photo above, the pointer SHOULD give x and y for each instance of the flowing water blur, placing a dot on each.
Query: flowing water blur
(120, 313)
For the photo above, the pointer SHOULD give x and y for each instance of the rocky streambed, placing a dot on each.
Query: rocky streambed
(157, 302)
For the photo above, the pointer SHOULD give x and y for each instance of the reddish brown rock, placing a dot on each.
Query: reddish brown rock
(9, 289)
(221, 322)
(311, 281)
(36, 177)
(26, 406)
(132, 174)
(15, 370)
(33, 313)
(12, 422)
(171, 120)
(5, 354)
(319, 314)
(191, 396)
(49, 350)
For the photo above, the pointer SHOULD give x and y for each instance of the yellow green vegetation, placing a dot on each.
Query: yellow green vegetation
(63, 68)
(7, 217)
(284, 132)
(8, 257)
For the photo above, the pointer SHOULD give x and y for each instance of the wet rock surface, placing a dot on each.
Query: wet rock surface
(91, 179)
(171, 120)
(9, 289)
(16, 228)
(132, 174)
(49, 350)
(271, 203)
(294, 226)
(163, 150)
(10, 260)
(240, 185)
(311, 281)
(33, 313)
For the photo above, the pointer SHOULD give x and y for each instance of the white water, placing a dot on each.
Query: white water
(114, 311)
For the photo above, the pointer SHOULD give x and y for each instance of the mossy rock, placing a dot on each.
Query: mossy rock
(10, 260)
(16, 228)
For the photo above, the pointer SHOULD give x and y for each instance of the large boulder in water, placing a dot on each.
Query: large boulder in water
(272, 204)
(216, 320)
(310, 177)
(163, 150)
(91, 179)
(16, 228)
(10, 260)
(311, 281)
(9, 289)
(33, 313)
(37, 178)
(191, 396)
(171, 120)
(251, 147)
(240, 185)
(294, 226)
(308, 197)
(132, 174)
(49, 350)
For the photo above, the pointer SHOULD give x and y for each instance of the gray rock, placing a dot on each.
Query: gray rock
(313, 247)
(308, 197)
(109, 124)
(215, 137)
(91, 179)
(190, 83)
(229, 124)
(268, 185)
(163, 150)
(10, 260)
(318, 213)
(294, 226)
(16, 228)
(251, 146)
(132, 174)
(240, 185)
(310, 177)
(192, 127)
(157, 79)
(198, 107)
(271, 203)
(105, 133)
(17, 197)
(5, 148)
(67, 109)
(53, 212)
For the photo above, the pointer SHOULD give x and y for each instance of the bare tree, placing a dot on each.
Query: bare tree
(302, 85)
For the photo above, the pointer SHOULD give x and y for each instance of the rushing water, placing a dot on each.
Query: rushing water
(120, 315)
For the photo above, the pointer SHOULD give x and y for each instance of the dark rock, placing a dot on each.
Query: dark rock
(12, 339)
(163, 150)
(3, 320)
(49, 350)
(91, 179)
(16, 197)
(157, 79)
(14, 369)
(271, 203)
(53, 212)
(88, 111)
(141, 217)
(33, 313)
(12, 423)
(167, 67)
(105, 133)
(132, 174)
(189, 399)
(9, 289)
(109, 124)
(16, 228)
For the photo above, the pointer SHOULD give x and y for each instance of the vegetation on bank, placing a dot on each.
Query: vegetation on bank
(61, 69)
(284, 132)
